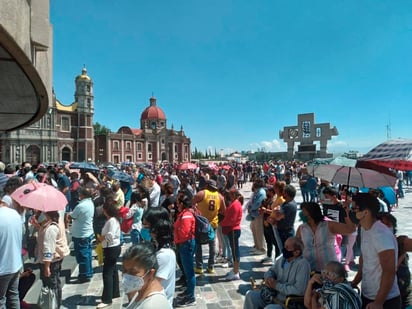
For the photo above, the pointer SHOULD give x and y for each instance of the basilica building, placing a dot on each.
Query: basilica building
(66, 133)
(152, 143)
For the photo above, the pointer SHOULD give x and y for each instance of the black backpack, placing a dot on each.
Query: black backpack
(203, 230)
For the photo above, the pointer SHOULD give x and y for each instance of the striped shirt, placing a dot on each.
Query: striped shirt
(341, 296)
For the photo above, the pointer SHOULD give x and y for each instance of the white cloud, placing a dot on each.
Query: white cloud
(271, 146)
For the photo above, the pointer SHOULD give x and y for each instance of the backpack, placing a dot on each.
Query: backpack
(125, 224)
(203, 230)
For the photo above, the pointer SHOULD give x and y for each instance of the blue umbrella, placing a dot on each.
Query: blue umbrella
(85, 166)
(388, 193)
(121, 176)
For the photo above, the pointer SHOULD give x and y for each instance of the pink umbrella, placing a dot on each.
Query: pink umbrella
(187, 166)
(39, 196)
(226, 167)
(213, 166)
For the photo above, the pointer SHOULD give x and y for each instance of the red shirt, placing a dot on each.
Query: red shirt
(184, 227)
(233, 217)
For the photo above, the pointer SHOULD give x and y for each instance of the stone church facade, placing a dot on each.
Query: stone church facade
(66, 133)
(152, 143)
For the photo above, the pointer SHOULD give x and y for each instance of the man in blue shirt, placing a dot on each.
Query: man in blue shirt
(256, 224)
(82, 234)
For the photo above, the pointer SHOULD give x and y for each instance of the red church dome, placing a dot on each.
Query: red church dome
(152, 111)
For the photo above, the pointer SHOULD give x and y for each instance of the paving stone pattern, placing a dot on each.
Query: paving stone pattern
(212, 291)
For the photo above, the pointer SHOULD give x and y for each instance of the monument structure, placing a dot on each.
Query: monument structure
(306, 133)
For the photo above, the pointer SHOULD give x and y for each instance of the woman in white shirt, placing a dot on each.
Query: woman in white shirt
(139, 278)
(110, 239)
(162, 233)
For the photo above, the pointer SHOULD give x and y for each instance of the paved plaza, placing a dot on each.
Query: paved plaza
(212, 291)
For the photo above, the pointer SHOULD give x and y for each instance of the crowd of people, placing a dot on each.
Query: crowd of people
(158, 209)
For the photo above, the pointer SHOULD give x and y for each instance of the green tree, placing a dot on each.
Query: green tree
(100, 129)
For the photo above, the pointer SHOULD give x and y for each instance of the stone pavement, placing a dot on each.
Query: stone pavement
(212, 291)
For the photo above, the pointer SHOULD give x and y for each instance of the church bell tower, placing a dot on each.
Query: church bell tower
(83, 122)
(84, 92)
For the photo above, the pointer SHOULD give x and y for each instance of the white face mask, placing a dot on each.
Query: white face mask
(327, 201)
(132, 283)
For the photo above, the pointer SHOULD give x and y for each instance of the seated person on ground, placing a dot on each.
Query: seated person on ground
(288, 276)
(335, 291)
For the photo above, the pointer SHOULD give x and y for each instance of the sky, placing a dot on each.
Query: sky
(233, 73)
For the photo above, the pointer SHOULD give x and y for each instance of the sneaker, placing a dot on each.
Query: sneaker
(180, 289)
(211, 270)
(198, 270)
(221, 259)
(266, 259)
(232, 276)
(103, 305)
(185, 301)
(253, 250)
(225, 265)
(258, 251)
(182, 293)
(181, 281)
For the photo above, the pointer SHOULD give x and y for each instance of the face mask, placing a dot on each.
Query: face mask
(303, 217)
(327, 201)
(145, 234)
(132, 283)
(328, 283)
(287, 254)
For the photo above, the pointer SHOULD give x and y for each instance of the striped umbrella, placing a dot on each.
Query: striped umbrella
(396, 154)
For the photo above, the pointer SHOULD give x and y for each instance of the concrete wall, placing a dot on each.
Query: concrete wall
(28, 23)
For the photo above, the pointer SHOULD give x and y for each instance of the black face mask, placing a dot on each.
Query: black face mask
(287, 254)
(352, 217)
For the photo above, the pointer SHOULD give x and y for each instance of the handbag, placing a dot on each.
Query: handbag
(47, 298)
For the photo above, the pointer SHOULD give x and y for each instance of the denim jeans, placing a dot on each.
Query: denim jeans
(401, 194)
(53, 282)
(110, 274)
(186, 251)
(227, 249)
(254, 300)
(9, 291)
(305, 194)
(199, 255)
(83, 251)
(135, 236)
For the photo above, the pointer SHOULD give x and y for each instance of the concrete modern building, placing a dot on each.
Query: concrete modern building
(152, 143)
(25, 63)
(306, 133)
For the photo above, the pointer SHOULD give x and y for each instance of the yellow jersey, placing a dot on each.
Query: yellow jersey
(209, 207)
